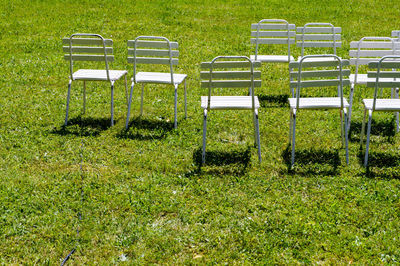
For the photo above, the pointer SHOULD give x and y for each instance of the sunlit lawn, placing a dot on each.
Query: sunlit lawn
(143, 195)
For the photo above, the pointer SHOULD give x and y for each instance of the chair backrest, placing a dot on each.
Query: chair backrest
(153, 50)
(396, 34)
(238, 72)
(370, 49)
(327, 71)
(273, 31)
(88, 47)
(387, 68)
(318, 35)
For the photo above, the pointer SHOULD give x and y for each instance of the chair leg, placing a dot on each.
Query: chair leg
(257, 134)
(350, 106)
(112, 103)
(68, 97)
(84, 97)
(342, 127)
(141, 101)
(293, 135)
(346, 134)
(185, 102)
(176, 106)
(290, 126)
(203, 155)
(126, 90)
(129, 106)
(368, 138)
(363, 129)
(396, 95)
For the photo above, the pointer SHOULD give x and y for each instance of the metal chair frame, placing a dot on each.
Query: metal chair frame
(293, 111)
(71, 78)
(253, 108)
(170, 58)
(393, 108)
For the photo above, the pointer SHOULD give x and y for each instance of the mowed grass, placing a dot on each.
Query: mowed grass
(143, 196)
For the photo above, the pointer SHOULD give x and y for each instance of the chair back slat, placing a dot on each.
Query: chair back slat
(89, 57)
(272, 31)
(272, 26)
(87, 41)
(318, 63)
(272, 41)
(372, 53)
(318, 35)
(153, 61)
(230, 74)
(316, 29)
(236, 74)
(230, 83)
(320, 83)
(231, 64)
(152, 44)
(274, 34)
(319, 71)
(387, 79)
(386, 73)
(153, 50)
(88, 47)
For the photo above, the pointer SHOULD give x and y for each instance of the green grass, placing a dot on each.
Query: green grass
(145, 196)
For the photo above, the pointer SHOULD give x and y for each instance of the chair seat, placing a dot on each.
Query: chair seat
(383, 104)
(98, 74)
(272, 58)
(363, 79)
(318, 103)
(317, 59)
(157, 77)
(229, 102)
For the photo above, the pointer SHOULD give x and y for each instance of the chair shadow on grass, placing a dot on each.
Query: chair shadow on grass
(386, 128)
(269, 101)
(312, 161)
(381, 164)
(83, 126)
(222, 162)
(140, 128)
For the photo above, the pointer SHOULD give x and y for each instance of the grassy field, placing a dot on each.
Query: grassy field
(145, 197)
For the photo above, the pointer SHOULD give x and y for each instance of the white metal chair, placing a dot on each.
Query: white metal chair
(388, 67)
(362, 52)
(239, 73)
(91, 47)
(318, 71)
(156, 51)
(272, 31)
